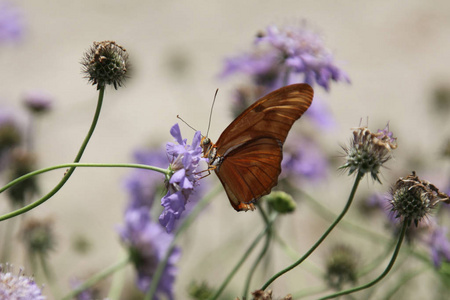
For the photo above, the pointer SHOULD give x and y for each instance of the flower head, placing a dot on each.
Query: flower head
(16, 287)
(148, 244)
(369, 151)
(341, 266)
(281, 202)
(22, 162)
(293, 51)
(106, 63)
(38, 101)
(413, 198)
(439, 245)
(39, 237)
(183, 179)
(11, 27)
(10, 133)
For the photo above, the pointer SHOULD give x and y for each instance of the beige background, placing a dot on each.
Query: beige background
(395, 52)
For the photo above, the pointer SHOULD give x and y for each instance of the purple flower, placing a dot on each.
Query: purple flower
(303, 158)
(18, 286)
(38, 101)
(148, 244)
(320, 114)
(287, 55)
(11, 27)
(439, 245)
(143, 185)
(184, 160)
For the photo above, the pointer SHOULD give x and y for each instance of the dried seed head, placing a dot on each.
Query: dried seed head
(106, 63)
(369, 151)
(413, 198)
(341, 266)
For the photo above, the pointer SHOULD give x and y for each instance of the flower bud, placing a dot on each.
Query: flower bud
(281, 202)
(106, 63)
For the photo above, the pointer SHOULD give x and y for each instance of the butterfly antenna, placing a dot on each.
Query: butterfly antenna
(186, 123)
(210, 113)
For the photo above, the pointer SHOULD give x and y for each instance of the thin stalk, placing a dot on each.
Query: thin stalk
(244, 257)
(382, 275)
(261, 254)
(71, 170)
(98, 277)
(322, 238)
(71, 166)
(183, 226)
(403, 280)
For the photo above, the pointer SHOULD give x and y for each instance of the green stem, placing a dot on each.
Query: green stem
(183, 226)
(71, 170)
(244, 257)
(385, 272)
(261, 254)
(77, 165)
(98, 277)
(403, 280)
(322, 238)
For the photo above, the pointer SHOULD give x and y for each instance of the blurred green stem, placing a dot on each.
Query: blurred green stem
(183, 226)
(71, 169)
(385, 272)
(98, 277)
(358, 178)
(261, 254)
(245, 256)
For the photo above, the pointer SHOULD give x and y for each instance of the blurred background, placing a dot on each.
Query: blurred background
(395, 53)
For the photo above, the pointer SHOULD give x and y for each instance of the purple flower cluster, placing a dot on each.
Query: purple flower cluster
(287, 55)
(303, 158)
(439, 245)
(148, 244)
(184, 160)
(18, 286)
(11, 27)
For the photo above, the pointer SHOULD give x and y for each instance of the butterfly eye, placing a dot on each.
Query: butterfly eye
(206, 141)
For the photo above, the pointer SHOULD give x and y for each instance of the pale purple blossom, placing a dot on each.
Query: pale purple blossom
(148, 243)
(439, 245)
(18, 286)
(184, 160)
(287, 55)
(38, 101)
(303, 158)
(11, 25)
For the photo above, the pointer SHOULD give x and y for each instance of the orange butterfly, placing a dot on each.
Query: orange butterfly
(247, 157)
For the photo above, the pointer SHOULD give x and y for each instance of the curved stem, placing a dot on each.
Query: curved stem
(96, 278)
(322, 238)
(183, 226)
(72, 169)
(261, 254)
(77, 165)
(385, 272)
(244, 257)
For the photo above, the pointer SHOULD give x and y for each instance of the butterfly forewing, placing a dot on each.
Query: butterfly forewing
(271, 116)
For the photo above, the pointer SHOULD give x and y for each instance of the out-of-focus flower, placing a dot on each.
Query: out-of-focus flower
(303, 158)
(38, 101)
(184, 160)
(11, 26)
(10, 134)
(87, 294)
(281, 202)
(287, 55)
(18, 287)
(148, 243)
(267, 295)
(200, 291)
(144, 185)
(106, 63)
(413, 199)
(369, 151)
(22, 162)
(39, 237)
(439, 245)
(341, 266)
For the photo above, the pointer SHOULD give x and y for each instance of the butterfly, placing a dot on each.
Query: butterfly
(247, 156)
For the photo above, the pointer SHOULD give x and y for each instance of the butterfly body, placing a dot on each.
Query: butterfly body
(247, 156)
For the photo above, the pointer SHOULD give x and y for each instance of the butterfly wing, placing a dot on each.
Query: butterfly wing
(250, 148)
(271, 116)
(250, 171)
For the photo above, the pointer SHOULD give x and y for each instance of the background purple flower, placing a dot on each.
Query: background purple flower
(18, 286)
(38, 101)
(302, 157)
(148, 244)
(184, 160)
(11, 27)
(439, 245)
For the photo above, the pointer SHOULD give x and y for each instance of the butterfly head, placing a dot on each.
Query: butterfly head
(209, 149)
